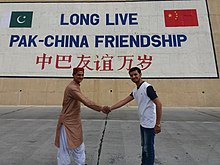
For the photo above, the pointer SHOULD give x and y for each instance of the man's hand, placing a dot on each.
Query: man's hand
(106, 109)
(157, 129)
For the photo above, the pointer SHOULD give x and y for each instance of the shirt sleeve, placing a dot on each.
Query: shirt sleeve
(131, 94)
(151, 93)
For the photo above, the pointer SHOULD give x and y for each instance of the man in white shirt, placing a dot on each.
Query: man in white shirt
(149, 110)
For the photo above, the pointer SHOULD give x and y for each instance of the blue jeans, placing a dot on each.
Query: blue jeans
(147, 143)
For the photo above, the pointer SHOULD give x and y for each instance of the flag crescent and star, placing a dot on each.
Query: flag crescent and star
(21, 19)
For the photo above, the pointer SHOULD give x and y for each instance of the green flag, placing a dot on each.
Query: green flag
(21, 19)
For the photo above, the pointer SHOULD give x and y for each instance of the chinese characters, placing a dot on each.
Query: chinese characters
(99, 63)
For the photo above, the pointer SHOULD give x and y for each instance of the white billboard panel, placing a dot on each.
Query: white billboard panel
(170, 39)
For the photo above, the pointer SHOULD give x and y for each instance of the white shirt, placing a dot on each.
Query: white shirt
(146, 107)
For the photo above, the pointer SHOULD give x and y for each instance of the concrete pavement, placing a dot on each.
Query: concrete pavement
(190, 136)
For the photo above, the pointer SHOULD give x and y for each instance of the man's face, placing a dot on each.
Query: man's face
(78, 77)
(135, 76)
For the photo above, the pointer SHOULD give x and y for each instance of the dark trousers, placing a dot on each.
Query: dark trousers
(147, 143)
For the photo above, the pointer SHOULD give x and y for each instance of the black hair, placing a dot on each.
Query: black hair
(133, 69)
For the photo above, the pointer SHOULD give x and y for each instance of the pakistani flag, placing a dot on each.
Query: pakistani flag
(21, 19)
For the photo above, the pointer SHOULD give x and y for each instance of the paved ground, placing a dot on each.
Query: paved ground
(190, 136)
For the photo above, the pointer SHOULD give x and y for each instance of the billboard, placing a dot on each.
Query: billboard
(165, 39)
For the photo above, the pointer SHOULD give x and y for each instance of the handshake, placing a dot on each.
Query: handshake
(106, 109)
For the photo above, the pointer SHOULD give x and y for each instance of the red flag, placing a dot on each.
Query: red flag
(186, 17)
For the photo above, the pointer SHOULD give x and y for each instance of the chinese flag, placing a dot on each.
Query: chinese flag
(175, 18)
